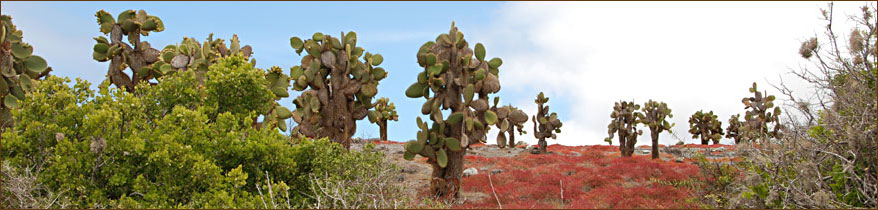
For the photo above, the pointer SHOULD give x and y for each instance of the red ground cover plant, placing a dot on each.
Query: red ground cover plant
(591, 177)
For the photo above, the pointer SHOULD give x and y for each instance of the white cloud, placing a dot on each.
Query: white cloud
(692, 56)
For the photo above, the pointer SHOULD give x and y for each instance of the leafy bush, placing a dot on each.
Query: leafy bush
(171, 148)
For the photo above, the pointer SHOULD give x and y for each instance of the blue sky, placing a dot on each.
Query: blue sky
(584, 55)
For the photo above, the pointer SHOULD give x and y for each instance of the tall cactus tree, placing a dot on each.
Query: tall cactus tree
(122, 55)
(706, 126)
(340, 85)
(759, 118)
(625, 118)
(454, 78)
(510, 118)
(19, 68)
(383, 111)
(735, 128)
(545, 124)
(654, 114)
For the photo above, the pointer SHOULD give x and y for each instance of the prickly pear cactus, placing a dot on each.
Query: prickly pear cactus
(509, 119)
(545, 124)
(760, 123)
(340, 86)
(625, 118)
(19, 67)
(122, 55)
(735, 128)
(654, 116)
(459, 78)
(383, 110)
(278, 82)
(189, 54)
(706, 126)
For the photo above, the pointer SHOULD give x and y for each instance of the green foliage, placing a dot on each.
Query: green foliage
(706, 126)
(340, 85)
(625, 118)
(234, 85)
(717, 181)
(20, 70)
(545, 124)
(119, 150)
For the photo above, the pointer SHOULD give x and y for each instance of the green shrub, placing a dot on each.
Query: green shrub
(168, 149)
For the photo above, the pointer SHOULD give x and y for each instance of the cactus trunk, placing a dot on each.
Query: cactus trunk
(511, 138)
(654, 134)
(382, 126)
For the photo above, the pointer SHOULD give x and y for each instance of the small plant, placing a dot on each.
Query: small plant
(654, 114)
(545, 124)
(706, 126)
(384, 110)
(340, 85)
(510, 118)
(625, 118)
(19, 68)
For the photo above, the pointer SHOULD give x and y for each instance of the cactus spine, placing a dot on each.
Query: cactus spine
(122, 55)
(19, 67)
(625, 118)
(509, 118)
(545, 124)
(706, 126)
(654, 114)
(340, 85)
(759, 118)
(454, 78)
(384, 110)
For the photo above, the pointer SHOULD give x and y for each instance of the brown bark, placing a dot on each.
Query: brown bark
(382, 126)
(511, 138)
(655, 152)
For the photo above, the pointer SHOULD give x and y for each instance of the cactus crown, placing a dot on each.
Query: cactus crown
(509, 119)
(454, 73)
(654, 114)
(735, 128)
(759, 116)
(383, 109)
(706, 125)
(625, 119)
(122, 55)
(19, 69)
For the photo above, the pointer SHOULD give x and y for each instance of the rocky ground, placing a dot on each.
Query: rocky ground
(482, 159)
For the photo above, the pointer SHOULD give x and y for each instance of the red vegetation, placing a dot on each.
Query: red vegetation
(387, 142)
(592, 176)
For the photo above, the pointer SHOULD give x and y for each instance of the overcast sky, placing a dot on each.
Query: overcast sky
(583, 55)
